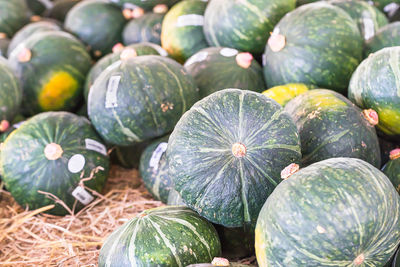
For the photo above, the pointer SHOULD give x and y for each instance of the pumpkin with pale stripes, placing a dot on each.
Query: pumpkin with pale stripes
(165, 236)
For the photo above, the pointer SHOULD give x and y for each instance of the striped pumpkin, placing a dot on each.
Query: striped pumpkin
(166, 236)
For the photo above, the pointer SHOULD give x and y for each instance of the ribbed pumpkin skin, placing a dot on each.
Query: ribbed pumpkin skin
(152, 94)
(244, 25)
(221, 187)
(51, 80)
(26, 170)
(30, 29)
(375, 85)
(141, 50)
(147, 5)
(330, 214)
(15, 14)
(392, 171)
(10, 92)
(147, 28)
(331, 126)
(182, 29)
(154, 170)
(387, 36)
(167, 236)
(326, 60)
(284, 93)
(97, 23)
(213, 71)
(60, 9)
(369, 19)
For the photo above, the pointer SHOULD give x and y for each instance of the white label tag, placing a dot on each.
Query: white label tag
(190, 20)
(18, 124)
(82, 195)
(391, 8)
(198, 57)
(157, 154)
(95, 146)
(76, 163)
(369, 28)
(228, 52)
(112, 89)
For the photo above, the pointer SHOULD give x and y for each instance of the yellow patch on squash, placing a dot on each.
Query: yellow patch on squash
(389, 121)
(260, 248)
(284, 93)
(59, 89)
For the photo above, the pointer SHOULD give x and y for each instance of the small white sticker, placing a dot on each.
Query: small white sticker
(198, 57)
(112, 89)
(369, 28)
(82, 195)
(157, 154)
(264, 59)
(18, 124)
(76, 163)
(391, 8)
(190, 20)
(95, 146)
(228, 52)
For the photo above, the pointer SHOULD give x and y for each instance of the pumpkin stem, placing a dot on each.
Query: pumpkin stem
(160, 9)
(117, 47)
(289, 170)
(244, 60)
(25, 55)
(360, 259)
(128, 53)
(53, 151)
(395, 154)
(371, 116)
(239, 150)
(3, 35)
(36, 18)
(4, 125)
(276, 42)
(220, 262)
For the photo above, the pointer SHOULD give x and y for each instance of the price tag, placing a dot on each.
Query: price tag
(112, 89)
(95, 146)
(157, 154)
(82, 195)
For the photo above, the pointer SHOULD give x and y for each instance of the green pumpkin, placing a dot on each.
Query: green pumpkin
(226, 153)
(147, 5)
(146, 28)
(60, 9)
(387, 36)
(337, 212)
(15, 14)
(392, 168)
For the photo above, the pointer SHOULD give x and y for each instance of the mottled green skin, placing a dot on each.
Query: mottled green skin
(323, 47)
(147, 28)
(147, 5)
(47, 60)
(141, 50)
(4, 43)
(222, 188)
(327, 215)
(369, 19)
(182, 41)
(167, 237)
(392, 171)
(152, 95)
(15, 14)
(60, 9)
(244, 25)
(30, 29)
(26, 170)
(380, 4)
(174, 198)
(156, 178)
(216, 72)
(331, 126)
(376, 84)
(97, 23)
(128, 156)
(386, 146)
(236, 242)
(387, 36)
(10, 92)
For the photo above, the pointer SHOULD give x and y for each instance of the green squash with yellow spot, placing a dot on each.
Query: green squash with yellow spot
(284, 93)
(376, 84)
(52, 68)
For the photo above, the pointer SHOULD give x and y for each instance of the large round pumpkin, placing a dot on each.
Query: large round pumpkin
(226, 153)
(337, 212)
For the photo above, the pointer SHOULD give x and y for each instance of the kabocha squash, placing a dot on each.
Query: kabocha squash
(60, 9)
(244, 25)
(140, 98)
(331, 126)
(166, 236)
(97, 23)
(375, 84)
(217, 68)
(146, 28)
(392, 168)
(147, 5)
(154, 169)
(226, 153)
(15, 14)
(52, 67)
(49, 153)
(30, 29)
(284, 93)
(10, 95)
(337, 212)
(119, 53)
(182, 29)
(387, 36)
(298, 52)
